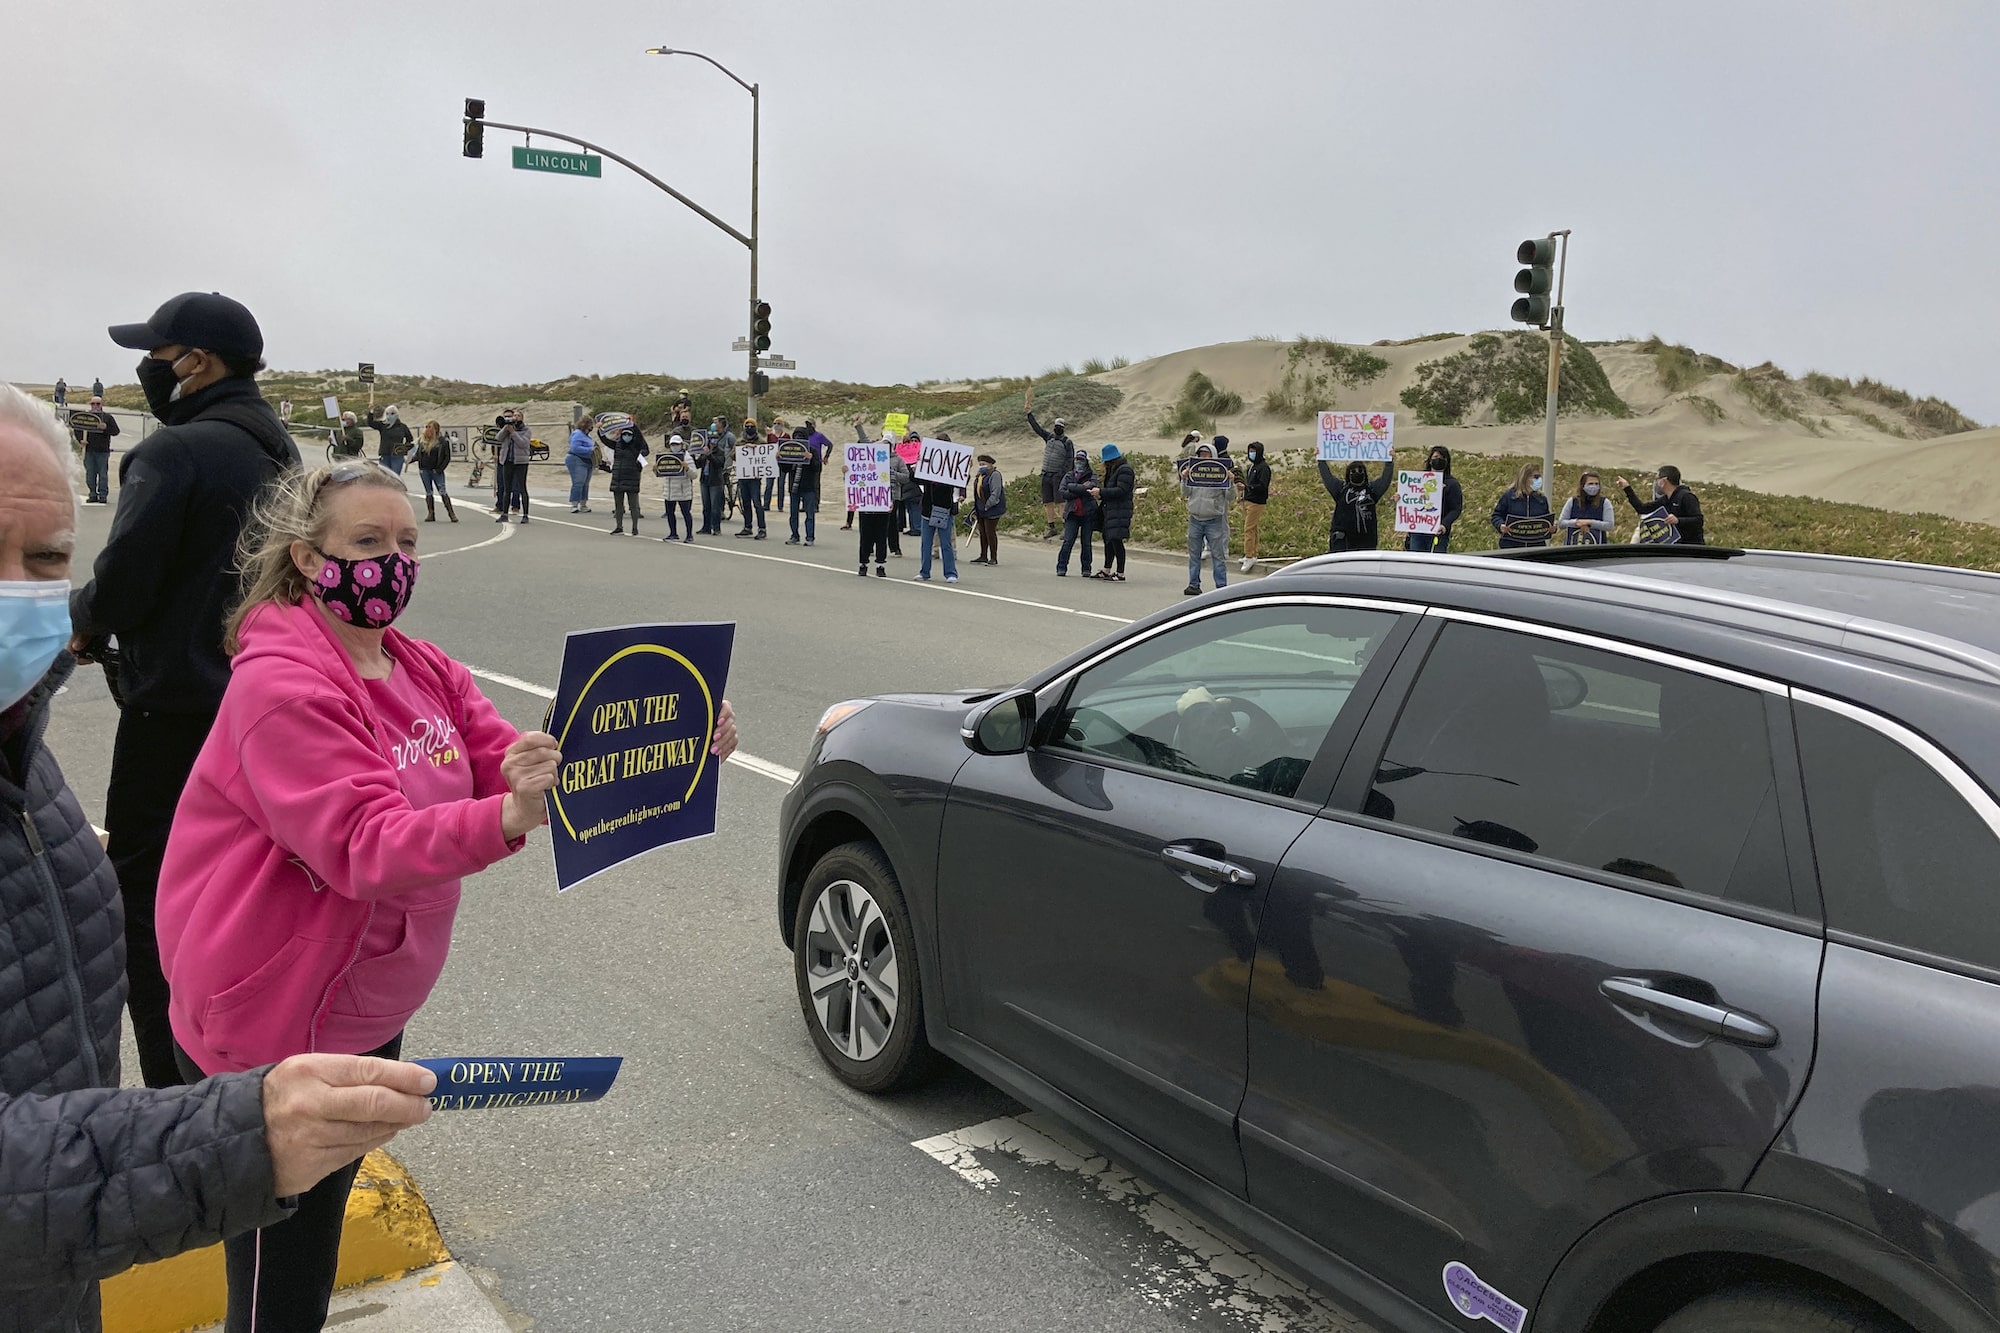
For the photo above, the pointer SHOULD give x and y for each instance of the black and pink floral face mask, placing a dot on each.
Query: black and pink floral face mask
(367, 594)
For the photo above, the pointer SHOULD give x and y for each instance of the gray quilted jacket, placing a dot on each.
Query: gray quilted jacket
(93, 1179)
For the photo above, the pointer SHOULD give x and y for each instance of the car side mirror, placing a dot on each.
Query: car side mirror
(1002, 726)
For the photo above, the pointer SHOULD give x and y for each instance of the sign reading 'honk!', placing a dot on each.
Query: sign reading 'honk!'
(634, 716)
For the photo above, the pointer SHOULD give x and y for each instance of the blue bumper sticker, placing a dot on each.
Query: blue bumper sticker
(485, 1083)
(1475, 1300)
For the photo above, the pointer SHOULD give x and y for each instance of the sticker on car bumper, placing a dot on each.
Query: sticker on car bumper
(1475, 1300)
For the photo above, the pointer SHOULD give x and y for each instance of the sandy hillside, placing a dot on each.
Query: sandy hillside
(1709, 428)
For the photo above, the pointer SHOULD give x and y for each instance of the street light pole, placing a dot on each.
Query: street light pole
(756, 105)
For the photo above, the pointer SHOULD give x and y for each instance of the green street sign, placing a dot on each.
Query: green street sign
(556, 160)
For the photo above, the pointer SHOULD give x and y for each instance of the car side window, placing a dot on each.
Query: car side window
(1902, 857)
(1592, 758)
(1244, 697)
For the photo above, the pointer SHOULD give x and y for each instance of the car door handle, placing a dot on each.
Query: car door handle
(1185, 858)
(1714, 1019)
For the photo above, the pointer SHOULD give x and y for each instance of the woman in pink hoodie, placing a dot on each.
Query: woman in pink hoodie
(354, 776)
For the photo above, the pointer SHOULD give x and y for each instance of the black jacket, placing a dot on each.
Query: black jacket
(1114, 500)
(97, 441)
(1074, 488)
(92, 1180)
(1683, 504)
(626, 470)
(938, 495)
(1354, 526)
(394, 436)
(1257, 482)
(435, 456)
(166, 578)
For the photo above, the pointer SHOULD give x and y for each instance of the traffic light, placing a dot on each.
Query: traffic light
(760, 327)
(475, 128)
(760, 384)
(1535, 282)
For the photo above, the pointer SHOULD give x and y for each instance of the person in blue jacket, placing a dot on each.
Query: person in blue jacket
(1518, 505)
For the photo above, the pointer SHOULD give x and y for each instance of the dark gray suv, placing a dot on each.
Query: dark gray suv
(1601, 940)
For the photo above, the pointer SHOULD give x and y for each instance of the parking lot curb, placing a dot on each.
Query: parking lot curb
(388, 1232)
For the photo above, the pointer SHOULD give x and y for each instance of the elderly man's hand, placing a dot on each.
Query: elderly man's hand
(323, 1111)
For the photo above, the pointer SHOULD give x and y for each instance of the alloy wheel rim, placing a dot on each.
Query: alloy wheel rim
(851, 971)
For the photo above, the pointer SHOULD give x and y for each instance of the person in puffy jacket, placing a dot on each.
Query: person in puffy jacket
(989, 506)
(676, 475)
(581, 460)
(1078, 493)
(1256, 486)
(1521, 515)
(95, 1177)
(1354, 525)
(1114, 511)
(1056, 452)
(433, 457)
(619, 433)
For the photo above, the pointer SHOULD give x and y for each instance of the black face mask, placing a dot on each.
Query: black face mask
(161, 385)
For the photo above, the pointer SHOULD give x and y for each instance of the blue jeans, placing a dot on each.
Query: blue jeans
(579, 478)
(913, 510)
(433, 482)
(714, 500)
(938, 523)
(1212, 533)
(807, 503)
(97, 474)
(1074, 526)
(394, 462)
(748, 491)
(1428, 543)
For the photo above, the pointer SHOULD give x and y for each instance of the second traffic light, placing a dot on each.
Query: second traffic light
(760, 326)
(1535, 282)
(475, 128)
(760, 384)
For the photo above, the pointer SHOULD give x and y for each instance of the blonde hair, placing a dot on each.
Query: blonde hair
(431, 430)
(289, 510)
(1525, 477)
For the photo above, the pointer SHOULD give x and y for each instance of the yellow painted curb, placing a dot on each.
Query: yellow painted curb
(388, 1232)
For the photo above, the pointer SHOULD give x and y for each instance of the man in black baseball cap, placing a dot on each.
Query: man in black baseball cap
(162, 586)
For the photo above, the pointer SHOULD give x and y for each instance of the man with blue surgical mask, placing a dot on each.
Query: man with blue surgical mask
(162, 585)
(95, 1178)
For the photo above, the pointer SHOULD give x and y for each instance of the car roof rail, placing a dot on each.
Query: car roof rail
(1979, 662)
(1583, 555)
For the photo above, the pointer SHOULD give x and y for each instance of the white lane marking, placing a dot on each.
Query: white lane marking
(1202, 1268)
(495, 540)
(763, 768)
(836, 569)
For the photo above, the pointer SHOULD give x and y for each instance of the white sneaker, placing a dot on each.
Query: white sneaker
(1247, 563)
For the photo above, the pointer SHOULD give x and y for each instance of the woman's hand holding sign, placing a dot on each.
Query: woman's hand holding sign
(724, 744)
(529, 769)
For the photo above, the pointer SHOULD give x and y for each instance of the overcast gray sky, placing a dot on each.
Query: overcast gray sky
(961, 187)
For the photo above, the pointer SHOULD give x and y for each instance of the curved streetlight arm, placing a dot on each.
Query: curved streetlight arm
(671, 51)
(629, 165)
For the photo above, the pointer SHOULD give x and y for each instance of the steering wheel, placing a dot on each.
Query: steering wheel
(1237, 748)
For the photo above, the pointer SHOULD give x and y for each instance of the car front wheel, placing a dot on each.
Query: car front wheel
(855, 960)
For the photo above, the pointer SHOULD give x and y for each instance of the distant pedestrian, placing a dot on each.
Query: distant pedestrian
(1354, 525)
(750, 491)
(680, 419)
(1587, 517)
(62, 392)
(1056, 453)
(1452, 504)
(347, 437)
(96, 442)
(989, 506)
(619, 433)
(806, 482)
(876, 524)
(913, 490)
(581, 460)
(1114, 511)
(163, 585)
(677, 489)
(1257, 495)
(97, 388)
(1078, 491)
(433, 454)
(1521, 515)
(1683, 506)
(900, 479)
(939, 515)
(712, 466)
(285, 410)
(510, 453)
(393, 439)
(1208, 518)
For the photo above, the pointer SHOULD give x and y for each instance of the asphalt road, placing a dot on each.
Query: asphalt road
(728, 1182)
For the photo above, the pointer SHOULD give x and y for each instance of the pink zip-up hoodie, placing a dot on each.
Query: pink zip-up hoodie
(294, 835)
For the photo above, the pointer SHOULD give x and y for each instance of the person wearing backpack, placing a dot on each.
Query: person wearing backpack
(989, 506)
(1353, 526)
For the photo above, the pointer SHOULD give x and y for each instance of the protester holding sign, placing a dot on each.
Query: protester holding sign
(619, 433)
(806, 475)
(938, 501)
(1208, 485)
(1587, 517)
(1677, 507)
(1353, 526)
(93, 430)
(353, 778)
(1452, 504)
(1114, 511)
(676, 489)
(749, 480)
(711, 460)
(870, 493)
(1521, 515)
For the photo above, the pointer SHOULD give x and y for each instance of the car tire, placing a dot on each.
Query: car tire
(852, 931)
(1763, 1308)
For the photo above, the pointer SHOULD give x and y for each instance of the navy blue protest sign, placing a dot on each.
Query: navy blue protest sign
(493, 1082)
(1654, 530)
(634, 716)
